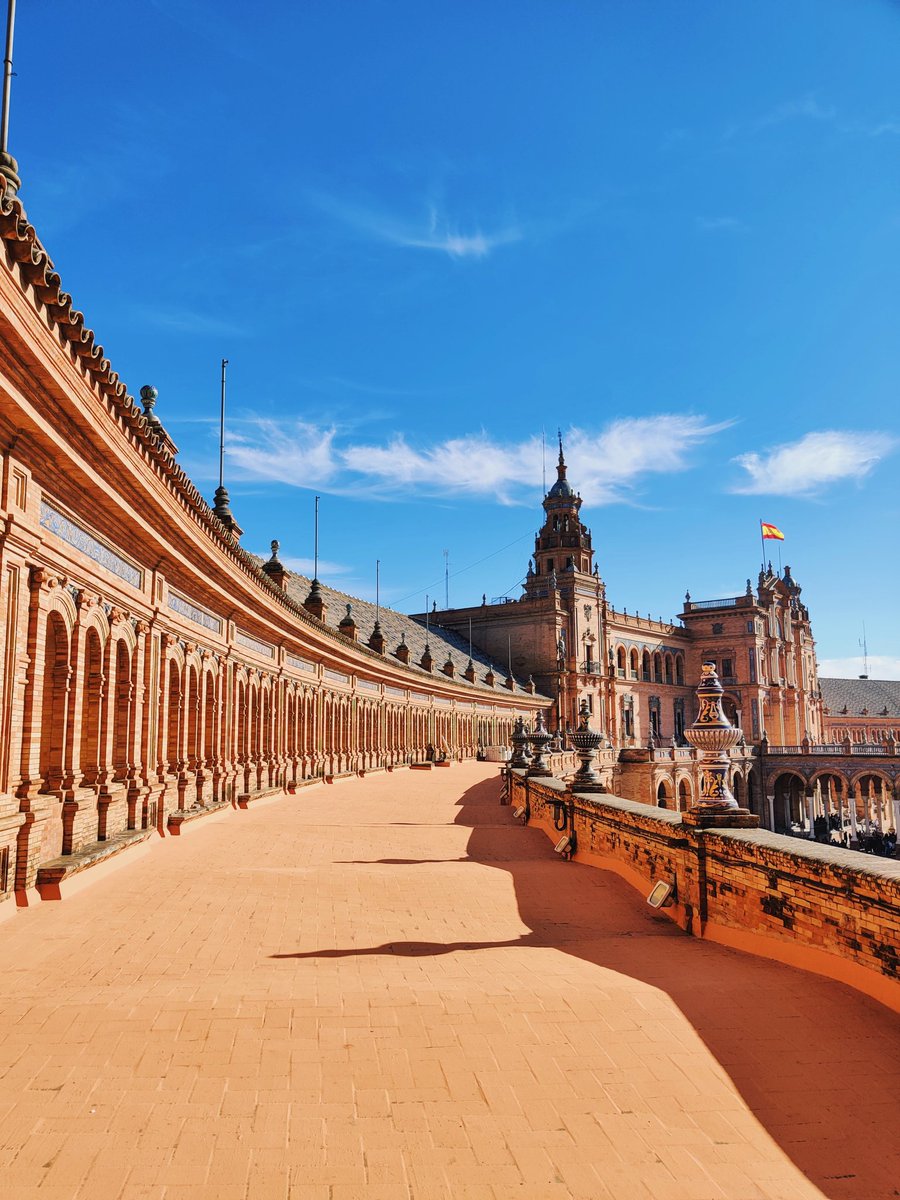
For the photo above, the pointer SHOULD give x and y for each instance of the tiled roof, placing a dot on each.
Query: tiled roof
(875, 695)
(398, 628)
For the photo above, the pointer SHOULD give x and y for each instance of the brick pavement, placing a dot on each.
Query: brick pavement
(388, 989)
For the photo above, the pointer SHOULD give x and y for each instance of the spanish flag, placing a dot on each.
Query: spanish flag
(771, 531)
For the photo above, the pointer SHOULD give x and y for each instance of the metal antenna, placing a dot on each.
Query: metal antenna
(7, 76)
(470, 637)
(316, 543)
(221, 422)
(865, 649)
(544, 459)
(9, 166)
(426, 618)
(446, 579)
(377, 589)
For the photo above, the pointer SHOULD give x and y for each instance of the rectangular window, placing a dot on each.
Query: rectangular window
(754, 715)
(751, 657)
(727, 671)
(750, 627)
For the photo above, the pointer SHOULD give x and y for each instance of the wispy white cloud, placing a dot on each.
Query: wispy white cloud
(300, 453)
(880, 666)
(433, 231)
(606, 465)
(884, 127)
(807, 107)
(814, 462)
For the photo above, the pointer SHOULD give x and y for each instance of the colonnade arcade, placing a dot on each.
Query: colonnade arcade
(125, 723)
(849, 802)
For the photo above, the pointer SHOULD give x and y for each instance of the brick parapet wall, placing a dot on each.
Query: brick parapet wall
(821, 908)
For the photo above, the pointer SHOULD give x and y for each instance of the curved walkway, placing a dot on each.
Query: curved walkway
(389, 989)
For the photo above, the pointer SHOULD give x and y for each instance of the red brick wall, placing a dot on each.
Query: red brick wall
(832, 911)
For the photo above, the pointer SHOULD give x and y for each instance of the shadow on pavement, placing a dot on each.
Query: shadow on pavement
(816, 1063)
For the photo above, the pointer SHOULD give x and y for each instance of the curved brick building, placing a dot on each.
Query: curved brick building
(150, 669)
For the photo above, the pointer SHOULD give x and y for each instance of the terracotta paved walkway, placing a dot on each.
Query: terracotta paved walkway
(388, 989)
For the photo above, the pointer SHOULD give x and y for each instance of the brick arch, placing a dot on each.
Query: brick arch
(123, 631)
(874, 773)
(93, 680)
(121, 699)
(664, 790)
(54, 697)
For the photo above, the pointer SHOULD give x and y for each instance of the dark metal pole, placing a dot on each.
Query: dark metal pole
(316, 544)
(377, 589)
(222, 429)
(7, 76)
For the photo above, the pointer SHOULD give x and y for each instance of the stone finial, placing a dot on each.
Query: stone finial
(539, 738)
(274, 568)
(9, 170)
(714, 735)
(347, 624)
(402, 651)
(315, 601)
(376, 640)
(149, 396)
(490, 677)
(448, 668)
(530, 685)
(427, 661)
(749, 591)
(519, 739)
(469, 672)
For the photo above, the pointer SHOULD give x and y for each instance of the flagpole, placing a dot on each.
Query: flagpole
(762, 544)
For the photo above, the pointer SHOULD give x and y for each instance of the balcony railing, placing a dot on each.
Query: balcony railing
(729, 602)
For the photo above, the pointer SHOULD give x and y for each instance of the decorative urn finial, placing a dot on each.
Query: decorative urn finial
(586, 743)
(519, 739)
(539, 739)
(715, 736)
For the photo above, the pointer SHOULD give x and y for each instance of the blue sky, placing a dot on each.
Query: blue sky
(422, 233)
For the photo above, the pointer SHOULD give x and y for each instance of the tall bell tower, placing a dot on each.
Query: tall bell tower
(563, 544)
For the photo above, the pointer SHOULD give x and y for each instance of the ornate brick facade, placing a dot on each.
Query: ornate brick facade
(150, 669)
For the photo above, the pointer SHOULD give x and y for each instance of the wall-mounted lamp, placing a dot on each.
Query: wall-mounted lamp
(661, 895)
(565, 846)
(521, 812)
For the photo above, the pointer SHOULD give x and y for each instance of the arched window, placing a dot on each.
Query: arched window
(679, 669)
(634, 664)
(668, 668)
(620, 661)
(657, 668)
(645, 666)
